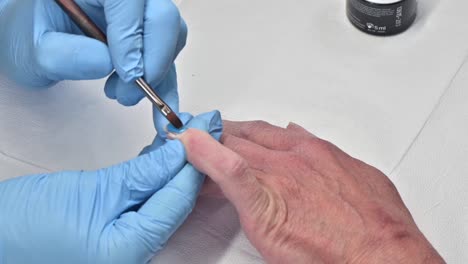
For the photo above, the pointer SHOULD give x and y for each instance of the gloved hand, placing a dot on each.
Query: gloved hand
(40, 45)
(122, 214)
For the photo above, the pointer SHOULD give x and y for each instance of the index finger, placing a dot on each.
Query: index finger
(125, 35)
(264, 134)
(163, 25)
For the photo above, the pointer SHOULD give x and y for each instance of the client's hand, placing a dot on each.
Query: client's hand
(302, 200)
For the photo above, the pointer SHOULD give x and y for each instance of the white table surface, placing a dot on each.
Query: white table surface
(398, 103)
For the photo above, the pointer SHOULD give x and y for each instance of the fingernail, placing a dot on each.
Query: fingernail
(172, 136)
(173, 132)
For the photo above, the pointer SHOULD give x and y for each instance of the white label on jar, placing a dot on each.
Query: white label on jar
(371, 11)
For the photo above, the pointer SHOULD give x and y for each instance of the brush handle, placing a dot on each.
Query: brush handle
(82, 20)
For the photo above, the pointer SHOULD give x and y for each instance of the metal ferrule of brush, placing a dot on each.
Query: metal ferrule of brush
(165, 109)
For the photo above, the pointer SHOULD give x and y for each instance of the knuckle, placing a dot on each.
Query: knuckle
(390, 186)
(183, 29)
(167, 12)
(390, 224)
(248, 127)
(290, 186)
(316, 150)
(260, 124)
(318, 145)
(225, 138)
(252, 126)
(183, 33)
(229, 141)
(257, 124)
(237, 166)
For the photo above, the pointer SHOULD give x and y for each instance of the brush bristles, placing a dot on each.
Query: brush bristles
(174, 120)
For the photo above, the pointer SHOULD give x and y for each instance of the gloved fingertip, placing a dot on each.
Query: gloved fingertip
(128, 100)
(129, 95)
(110, 89)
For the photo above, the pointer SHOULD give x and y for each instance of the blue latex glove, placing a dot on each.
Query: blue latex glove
(40, 45)
(122, 214)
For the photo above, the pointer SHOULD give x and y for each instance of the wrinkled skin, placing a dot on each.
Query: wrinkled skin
(301, 199)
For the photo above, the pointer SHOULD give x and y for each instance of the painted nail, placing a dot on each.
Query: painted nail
(172, 136)
(173, 132)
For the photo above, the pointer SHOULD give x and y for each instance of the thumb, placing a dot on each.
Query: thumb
(62, 56)
(229, 170)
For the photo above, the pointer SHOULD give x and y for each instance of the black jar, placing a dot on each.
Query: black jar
(382, 17)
